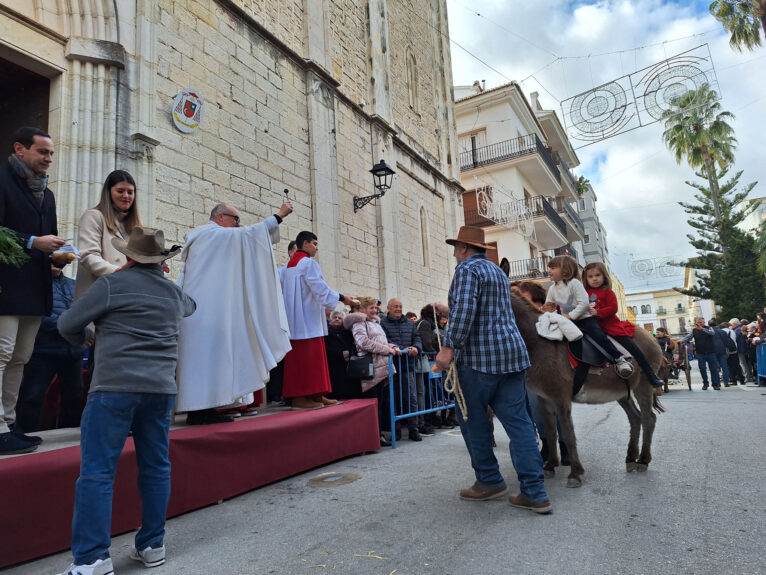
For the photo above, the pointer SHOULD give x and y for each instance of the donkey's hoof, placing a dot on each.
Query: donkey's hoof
(549, 473)
(642, 467)
(631, 466)
(574, 482)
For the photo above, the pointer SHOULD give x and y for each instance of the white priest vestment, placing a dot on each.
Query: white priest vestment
(240, 331)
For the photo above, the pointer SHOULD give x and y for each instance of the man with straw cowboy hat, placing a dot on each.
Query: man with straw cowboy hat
(137, 313)
(491, 359)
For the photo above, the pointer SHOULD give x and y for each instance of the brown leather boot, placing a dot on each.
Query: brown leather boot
(306, 403)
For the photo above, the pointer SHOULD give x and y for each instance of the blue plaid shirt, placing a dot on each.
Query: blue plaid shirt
(482, 328)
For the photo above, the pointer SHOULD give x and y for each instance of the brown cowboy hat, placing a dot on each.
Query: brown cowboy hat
(470, 236)
(146, 246)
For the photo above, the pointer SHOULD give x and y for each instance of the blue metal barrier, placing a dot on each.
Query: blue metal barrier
(760, 361)
(411, 381)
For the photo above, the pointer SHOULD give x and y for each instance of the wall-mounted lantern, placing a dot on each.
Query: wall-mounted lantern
(382, 176)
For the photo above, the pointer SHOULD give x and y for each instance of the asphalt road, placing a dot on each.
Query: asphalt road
(698, 510)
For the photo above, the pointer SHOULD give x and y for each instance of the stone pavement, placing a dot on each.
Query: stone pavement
(698, 510)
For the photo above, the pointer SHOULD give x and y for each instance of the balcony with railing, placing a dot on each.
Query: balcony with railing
(569, 179)
(565, 251)
(472, 218)
(661, 311)
(550, 228)
(528, 146)
(576, 227)
(530, 268)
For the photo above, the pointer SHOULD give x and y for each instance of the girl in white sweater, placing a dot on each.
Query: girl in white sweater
(568, 296)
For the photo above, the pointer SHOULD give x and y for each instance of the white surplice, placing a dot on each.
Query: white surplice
(240, 330)
(307, 296)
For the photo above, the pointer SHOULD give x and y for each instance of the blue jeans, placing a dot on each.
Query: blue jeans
(712, 361)
(106, 421)
(507, 396)
(724, 367)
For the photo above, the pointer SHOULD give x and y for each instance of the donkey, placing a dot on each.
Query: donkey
(551, 375)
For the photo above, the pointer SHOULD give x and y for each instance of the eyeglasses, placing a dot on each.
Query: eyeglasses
(236, 218)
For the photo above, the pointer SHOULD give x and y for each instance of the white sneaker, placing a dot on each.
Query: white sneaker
(98, 567)
(149, 557)
(624, 368)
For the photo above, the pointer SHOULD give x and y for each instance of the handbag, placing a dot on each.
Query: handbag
(360, 366)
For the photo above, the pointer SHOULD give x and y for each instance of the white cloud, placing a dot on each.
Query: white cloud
(637, 180)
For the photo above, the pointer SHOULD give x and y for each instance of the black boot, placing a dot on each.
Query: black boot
(564, 454)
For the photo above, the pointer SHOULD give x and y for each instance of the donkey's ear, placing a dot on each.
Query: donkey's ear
(505, 265)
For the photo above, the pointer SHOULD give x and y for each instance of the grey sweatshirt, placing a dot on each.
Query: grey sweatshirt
(137, 313)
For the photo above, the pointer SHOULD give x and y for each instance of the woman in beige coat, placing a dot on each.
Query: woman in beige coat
(115, 216)
(369, 337)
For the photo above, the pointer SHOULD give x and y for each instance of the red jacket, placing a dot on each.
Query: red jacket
(606, 306)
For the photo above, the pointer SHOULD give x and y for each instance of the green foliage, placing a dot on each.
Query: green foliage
(743, 19)
(760, 247)
(734, 283)
(11, 251)
(696, 128)
(583, 184)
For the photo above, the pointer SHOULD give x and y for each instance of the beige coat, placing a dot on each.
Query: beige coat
(98, 256)
(369, 337)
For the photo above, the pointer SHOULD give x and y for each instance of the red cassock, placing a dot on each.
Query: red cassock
(606, 306)
(306, 371)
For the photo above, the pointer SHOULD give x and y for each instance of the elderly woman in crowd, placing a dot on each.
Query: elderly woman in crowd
(339, 345)
(115, 216)
(369, 337)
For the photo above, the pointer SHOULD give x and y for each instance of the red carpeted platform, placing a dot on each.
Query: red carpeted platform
(210, 463)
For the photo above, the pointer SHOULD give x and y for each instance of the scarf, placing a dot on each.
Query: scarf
(297, 256)
(35, 182)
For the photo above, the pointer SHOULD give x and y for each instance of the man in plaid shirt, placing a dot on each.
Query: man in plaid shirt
(491, 359)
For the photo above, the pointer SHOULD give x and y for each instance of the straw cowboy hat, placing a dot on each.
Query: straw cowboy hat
(470, 236)
(146, 246)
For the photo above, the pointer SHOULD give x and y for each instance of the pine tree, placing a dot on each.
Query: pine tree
(734, 283)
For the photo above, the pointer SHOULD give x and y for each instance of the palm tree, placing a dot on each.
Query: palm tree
(743, 19)
(697, 129)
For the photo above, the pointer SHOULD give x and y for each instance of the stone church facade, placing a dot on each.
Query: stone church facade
(300, 94)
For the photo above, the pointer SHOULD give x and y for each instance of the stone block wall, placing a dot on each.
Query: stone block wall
(252, 142)
(288, 87)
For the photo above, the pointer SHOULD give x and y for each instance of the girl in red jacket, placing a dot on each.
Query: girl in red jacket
(603, 305)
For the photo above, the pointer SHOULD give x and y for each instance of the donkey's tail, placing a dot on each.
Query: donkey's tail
(656, 405)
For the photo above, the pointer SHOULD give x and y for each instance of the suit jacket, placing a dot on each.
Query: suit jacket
(26, 290)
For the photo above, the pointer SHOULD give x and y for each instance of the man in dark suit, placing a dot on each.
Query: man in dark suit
(27, 208)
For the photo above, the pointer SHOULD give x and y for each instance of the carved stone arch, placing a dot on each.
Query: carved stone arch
(93, 19)
(89, 90)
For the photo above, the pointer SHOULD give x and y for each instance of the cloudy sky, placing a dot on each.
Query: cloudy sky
(561, 48)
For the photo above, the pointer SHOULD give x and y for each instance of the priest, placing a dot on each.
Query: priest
(240, 330)
(306, 297)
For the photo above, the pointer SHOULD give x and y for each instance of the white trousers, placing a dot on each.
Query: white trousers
(17, 340)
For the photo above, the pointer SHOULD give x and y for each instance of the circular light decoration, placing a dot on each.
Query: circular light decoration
(599, 113)
(668, 81)
(333, 479)
(188, 110)
(641, 269)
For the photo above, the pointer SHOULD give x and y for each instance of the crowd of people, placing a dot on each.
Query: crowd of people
(235, 320)
(725, 351)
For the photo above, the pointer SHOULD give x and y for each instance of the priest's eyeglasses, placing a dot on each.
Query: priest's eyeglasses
(236, 218)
